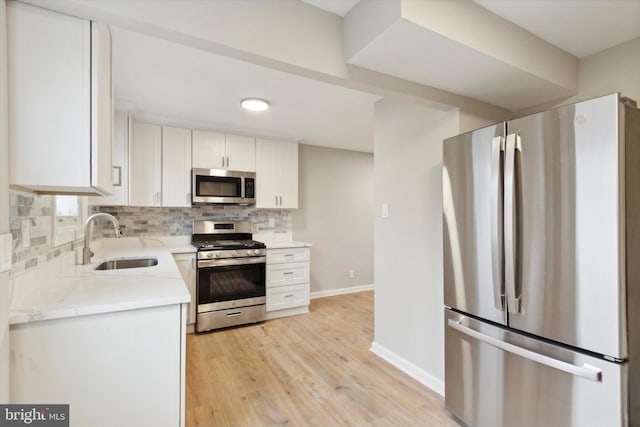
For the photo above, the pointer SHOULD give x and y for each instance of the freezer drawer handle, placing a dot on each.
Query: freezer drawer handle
(585, 371)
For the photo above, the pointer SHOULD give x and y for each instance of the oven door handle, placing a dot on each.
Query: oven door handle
(231, 261)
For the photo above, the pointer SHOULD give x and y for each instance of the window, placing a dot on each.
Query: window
(69, 214)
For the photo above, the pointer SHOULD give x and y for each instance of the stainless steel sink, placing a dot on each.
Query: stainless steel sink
(118, 264)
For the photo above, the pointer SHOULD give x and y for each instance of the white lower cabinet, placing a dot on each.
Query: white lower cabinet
(187, 265)
(283, 297)
(288, 282)
(124, 368)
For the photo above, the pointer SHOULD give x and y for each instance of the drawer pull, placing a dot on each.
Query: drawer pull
(288, 272)
(289, 254)
(234, 314)
(288, 296)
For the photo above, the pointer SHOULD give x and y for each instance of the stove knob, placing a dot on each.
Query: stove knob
(218, 254)
(234, 253)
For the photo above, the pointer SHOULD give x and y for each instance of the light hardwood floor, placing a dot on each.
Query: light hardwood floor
(308, 370)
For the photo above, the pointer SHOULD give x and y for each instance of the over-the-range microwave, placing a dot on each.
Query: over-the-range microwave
(210, 186)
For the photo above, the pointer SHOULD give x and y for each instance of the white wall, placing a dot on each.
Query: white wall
(335, 193)
(4, 209)
(613, 70)
(409, 328)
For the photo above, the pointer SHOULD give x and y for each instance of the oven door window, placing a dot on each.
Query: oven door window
(218, 186)
(228, 283)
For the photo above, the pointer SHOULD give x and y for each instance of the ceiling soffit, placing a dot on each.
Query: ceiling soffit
(459, 47)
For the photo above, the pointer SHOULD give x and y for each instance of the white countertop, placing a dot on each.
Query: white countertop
(62, 289)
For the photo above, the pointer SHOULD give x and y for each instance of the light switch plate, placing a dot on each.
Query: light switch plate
(385, 210)
(5, 252)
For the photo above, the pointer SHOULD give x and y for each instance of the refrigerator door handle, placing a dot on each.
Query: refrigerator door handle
(497, 161)
(585, 371)
(513, 147)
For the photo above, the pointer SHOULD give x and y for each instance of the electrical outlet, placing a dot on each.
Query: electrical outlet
(352, 274)
(25, 233)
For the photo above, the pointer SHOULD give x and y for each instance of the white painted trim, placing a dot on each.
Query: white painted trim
(287, 312)
(341, 291)
(435, 384)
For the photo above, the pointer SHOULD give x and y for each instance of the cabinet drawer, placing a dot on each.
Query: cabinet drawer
(289, 273)
(287, 297)
(287, 255)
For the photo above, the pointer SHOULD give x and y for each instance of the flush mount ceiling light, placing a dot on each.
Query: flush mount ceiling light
(254, 104)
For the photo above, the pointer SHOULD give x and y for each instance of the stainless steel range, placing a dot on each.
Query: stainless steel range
(230, 280)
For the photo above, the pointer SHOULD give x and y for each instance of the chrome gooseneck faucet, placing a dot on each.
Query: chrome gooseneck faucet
(86, 251)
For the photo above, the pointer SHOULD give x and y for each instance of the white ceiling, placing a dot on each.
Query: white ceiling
(201, 89)
(339, 7)
(580, 27)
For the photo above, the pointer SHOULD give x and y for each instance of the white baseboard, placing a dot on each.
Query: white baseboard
(409, 368)
(341, 291)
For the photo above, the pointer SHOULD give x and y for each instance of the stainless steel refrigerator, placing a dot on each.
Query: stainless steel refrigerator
(542, 269)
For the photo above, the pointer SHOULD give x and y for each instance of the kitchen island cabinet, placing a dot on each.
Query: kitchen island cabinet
(111, 343)
(113, 369)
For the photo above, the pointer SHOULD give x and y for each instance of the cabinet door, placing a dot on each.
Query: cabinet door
(101, 108)
(176, 166)
(266, 173)
(49, 62)
(59, 93)
(241, 153)
(208, 150)
(120, 170)
(284, 297)
(288, 175)
(146, 156)
(187, 265)
(290, 273)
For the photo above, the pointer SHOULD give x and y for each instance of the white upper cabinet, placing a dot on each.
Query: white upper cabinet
(145, 183)
(276, 174)
(120, 194)
(208, 150)
(60, 102)
(213, 150)
(160, 165)
(241, 153)
(176, 166)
